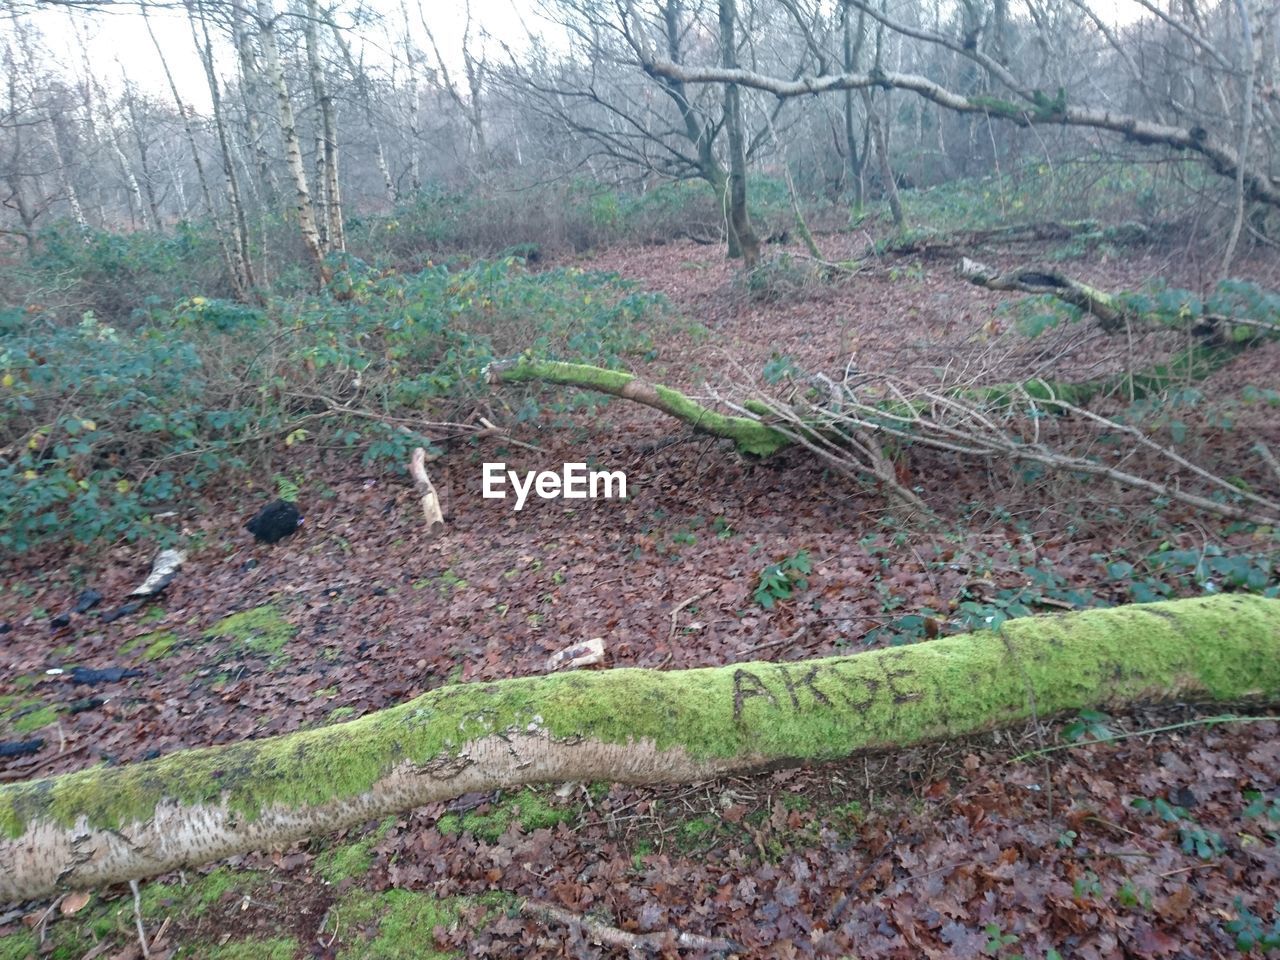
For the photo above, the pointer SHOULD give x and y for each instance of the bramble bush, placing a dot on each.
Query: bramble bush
(102, 424)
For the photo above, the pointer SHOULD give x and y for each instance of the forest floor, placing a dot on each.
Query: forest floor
(1164, 844)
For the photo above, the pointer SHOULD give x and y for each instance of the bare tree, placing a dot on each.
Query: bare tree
(1027, 105)
(307, 224)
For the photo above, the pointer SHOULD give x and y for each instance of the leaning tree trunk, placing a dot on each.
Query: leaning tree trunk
(110, 824)
(749, 435)
(846, 431)
(229, 262)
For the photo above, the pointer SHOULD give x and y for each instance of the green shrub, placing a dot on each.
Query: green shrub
(100, 424)
(780, 581)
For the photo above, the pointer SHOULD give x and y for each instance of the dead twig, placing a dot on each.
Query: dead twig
(137, 919)
(602, 933)
(675, 613)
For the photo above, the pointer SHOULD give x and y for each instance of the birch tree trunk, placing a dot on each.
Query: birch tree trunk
(327, 155)
(239, 223)
(68, 182)
(250, 83)
(109, 824)
(144, 162)
(292, 146)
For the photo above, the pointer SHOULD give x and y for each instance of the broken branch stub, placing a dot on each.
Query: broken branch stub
(430, 499)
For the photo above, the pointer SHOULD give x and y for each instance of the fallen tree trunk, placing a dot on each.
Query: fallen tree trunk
(751, 436)
(1191, 365)
(845, 430)
(1111, 314)
(111, 824)
(930, 243)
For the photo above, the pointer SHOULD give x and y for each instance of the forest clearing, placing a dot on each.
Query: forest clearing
(667, 495)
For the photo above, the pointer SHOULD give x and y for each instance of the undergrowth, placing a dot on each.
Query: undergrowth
(100, 424)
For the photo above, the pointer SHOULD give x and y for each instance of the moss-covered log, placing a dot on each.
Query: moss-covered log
(749, 435)
(933, 243)
(1187, 366)
(111, 824)
(1111, 313)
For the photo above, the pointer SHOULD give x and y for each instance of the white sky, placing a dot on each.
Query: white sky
(119, 40)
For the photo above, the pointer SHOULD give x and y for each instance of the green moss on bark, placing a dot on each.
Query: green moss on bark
(750, 436)
(1224, 648)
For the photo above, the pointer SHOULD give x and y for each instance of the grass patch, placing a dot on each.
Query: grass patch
(36, 719)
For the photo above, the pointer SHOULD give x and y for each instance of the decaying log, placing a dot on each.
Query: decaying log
(939, 244)
(1043, 279)
(108, 825)
(1111, 312)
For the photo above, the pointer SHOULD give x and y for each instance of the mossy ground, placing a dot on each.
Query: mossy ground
(351, 860)
(397, 924)
(529, 808)
(154, 646)
(31, 715)
(70, 937)
(261, 630)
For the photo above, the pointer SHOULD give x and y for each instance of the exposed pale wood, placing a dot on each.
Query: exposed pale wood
(430, 499)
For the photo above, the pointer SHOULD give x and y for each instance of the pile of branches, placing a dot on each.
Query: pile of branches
(857, 424)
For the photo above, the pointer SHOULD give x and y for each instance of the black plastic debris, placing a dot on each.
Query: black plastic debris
(20, 748)
(275, 521)
(91, 677)
(111, 616)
